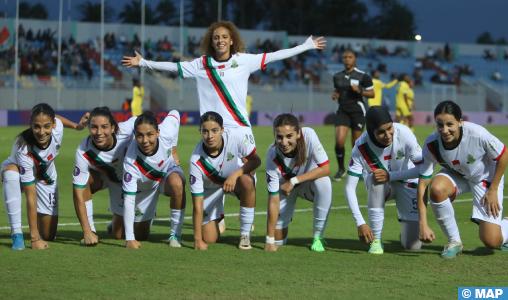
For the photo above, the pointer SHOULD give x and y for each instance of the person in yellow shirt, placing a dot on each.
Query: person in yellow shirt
(378, 88)
(404, 104)
(138, 93)
(249, 104)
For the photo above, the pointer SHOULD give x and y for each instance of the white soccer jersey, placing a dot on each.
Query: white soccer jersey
(110, 162)
(38, 164)
(280, 169)
(474, 158)
(142, 172)
(211, 172)
(403, 154)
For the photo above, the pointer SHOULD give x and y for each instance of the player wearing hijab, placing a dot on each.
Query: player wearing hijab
(32, 164)
(214, 171)
(391, 157)
(149, 167)
(296, 166)
(473, 161)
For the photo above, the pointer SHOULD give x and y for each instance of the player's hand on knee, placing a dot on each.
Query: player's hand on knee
(380, 176)
(271, 247)
(132, 244)
(426, 234)
(91, 239)
(493, 207)
(365, 233)
(200, 245)
(39, 244)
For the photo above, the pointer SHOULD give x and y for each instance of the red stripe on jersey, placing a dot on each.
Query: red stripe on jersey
(367, 159)
(115, 160)
(146, 173)
(263, 66)
(222, 66)
(207, 174)
(388, 157)
(252, 153)
(323, 164)
(280, 169)
(418, 162)
(456, 162)
(502, 152)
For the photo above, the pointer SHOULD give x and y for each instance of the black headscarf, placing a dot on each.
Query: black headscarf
(376, 116)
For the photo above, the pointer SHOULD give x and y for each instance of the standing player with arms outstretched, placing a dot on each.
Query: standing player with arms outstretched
(149, 170)
(473, 161)
(391, 157)
(296, 166)
(32, 164)
(214, 171)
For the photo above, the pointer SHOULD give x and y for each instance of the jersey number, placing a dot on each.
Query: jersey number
(221, 74)
(53, 198)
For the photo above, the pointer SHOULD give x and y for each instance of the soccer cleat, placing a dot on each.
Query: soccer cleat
(175, 241)
(109, 230)
(338, 176)
(222, 226)
(452, 250)
(244, 242)
(82, 243)
(18, 243)
(377, 247)
(317, 244)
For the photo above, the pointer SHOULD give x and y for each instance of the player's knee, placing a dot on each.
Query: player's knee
(246, 183)
(438, 191)
(209, 240)
(491, 242)
(176, 183)
(412, 245)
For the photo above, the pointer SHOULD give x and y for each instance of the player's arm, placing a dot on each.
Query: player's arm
(80, 191)
(309, 44)
(31, 209)
(364, 231)
(137, 60)
(253, 162)
(490, 197)
(271, 221)
(320, 171)
(69, 124)
(426, 170)
(389, 85)
(197, 221)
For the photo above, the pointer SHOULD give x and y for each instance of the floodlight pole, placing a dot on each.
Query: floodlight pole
(16, 64)
(142, 75)
(220, 11)
(181, 49)
(101, 43)
(59, 62)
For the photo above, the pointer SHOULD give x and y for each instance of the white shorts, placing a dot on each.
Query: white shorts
(47, 194)
(404, 194)
(463, 186)
(288, 203)
(245, 135)
(115, 194)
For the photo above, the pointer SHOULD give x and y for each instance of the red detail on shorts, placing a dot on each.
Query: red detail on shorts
(114, 160)
(323, 164)
(160, 164)
(454, 195)
(50, 157)
(388, 196)
(418, 162)
(456, 162)
(388, 157)
(263, 66)
(222, 66)
(252, 153)
(502, 152)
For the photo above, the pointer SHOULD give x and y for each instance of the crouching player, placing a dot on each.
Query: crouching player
(214, 171)
(296, 166)
(390, 154)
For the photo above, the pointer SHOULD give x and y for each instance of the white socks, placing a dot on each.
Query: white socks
(177, 217)
(410, 235)
(89, 214)
(322, 188)
(246, 220)
(504, 230)
(12, 200)
(445, 217)
(376, 218)
(282, 242)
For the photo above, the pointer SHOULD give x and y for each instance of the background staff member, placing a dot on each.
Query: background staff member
(351, 85)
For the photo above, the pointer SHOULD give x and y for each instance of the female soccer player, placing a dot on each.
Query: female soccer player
(296, 166)
(391, 156)
(474, 161)
(378, 88)
(404, 104)
(32, 164)
(351, 85)
(214, 171)
(147, 171)
(99, 165)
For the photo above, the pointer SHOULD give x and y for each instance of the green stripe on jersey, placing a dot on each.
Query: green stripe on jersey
(353, 174)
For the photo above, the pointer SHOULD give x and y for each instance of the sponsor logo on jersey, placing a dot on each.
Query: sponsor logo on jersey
(139, 213)
(21, 170)
(174, 123)
(360, 125)
(347, 76)
(77, 171)
(320, 149)
(470, 159)
(234, 64)
(127, 177)
(246, 140)
(400, 155)
(58, 148)
(492, 145)
(230, 156)
(192, 179)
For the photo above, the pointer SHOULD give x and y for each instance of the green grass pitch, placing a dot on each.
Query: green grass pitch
(344, 271)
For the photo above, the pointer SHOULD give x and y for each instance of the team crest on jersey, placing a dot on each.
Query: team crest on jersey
(320, 149)
(76, 171)
(127, 177)
(139, 213)
(192, 179)
(470, 159)
(21, 170)
(174, 123)
(230, 156)
(400, 155)
(169, 152)
(58, 148)
(492, 145)
(351, 162)
(234, 64)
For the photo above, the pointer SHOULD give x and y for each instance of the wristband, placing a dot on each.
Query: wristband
(294, 181)
(270, 240)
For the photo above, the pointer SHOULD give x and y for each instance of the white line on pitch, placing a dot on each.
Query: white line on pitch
(235, 215)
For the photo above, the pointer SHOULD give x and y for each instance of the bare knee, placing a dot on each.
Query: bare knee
(246, 183)
(210, 240)
(441, 189)
(492, 243)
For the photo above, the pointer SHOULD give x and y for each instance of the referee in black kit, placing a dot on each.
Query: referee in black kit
(351, 85)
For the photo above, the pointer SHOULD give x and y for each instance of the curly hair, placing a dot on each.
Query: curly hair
(238, 46)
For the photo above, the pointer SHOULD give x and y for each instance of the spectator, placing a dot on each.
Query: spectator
(123, 39)
(381, 67)
(149, 44)
(487, 54)
(496, 76)
(468, 70)
(430, 53)
(72, 41)
(418, 78)
(88, 68)
(30, 35)
(38, 37)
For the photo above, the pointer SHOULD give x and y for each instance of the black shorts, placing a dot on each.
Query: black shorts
(355, 121)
